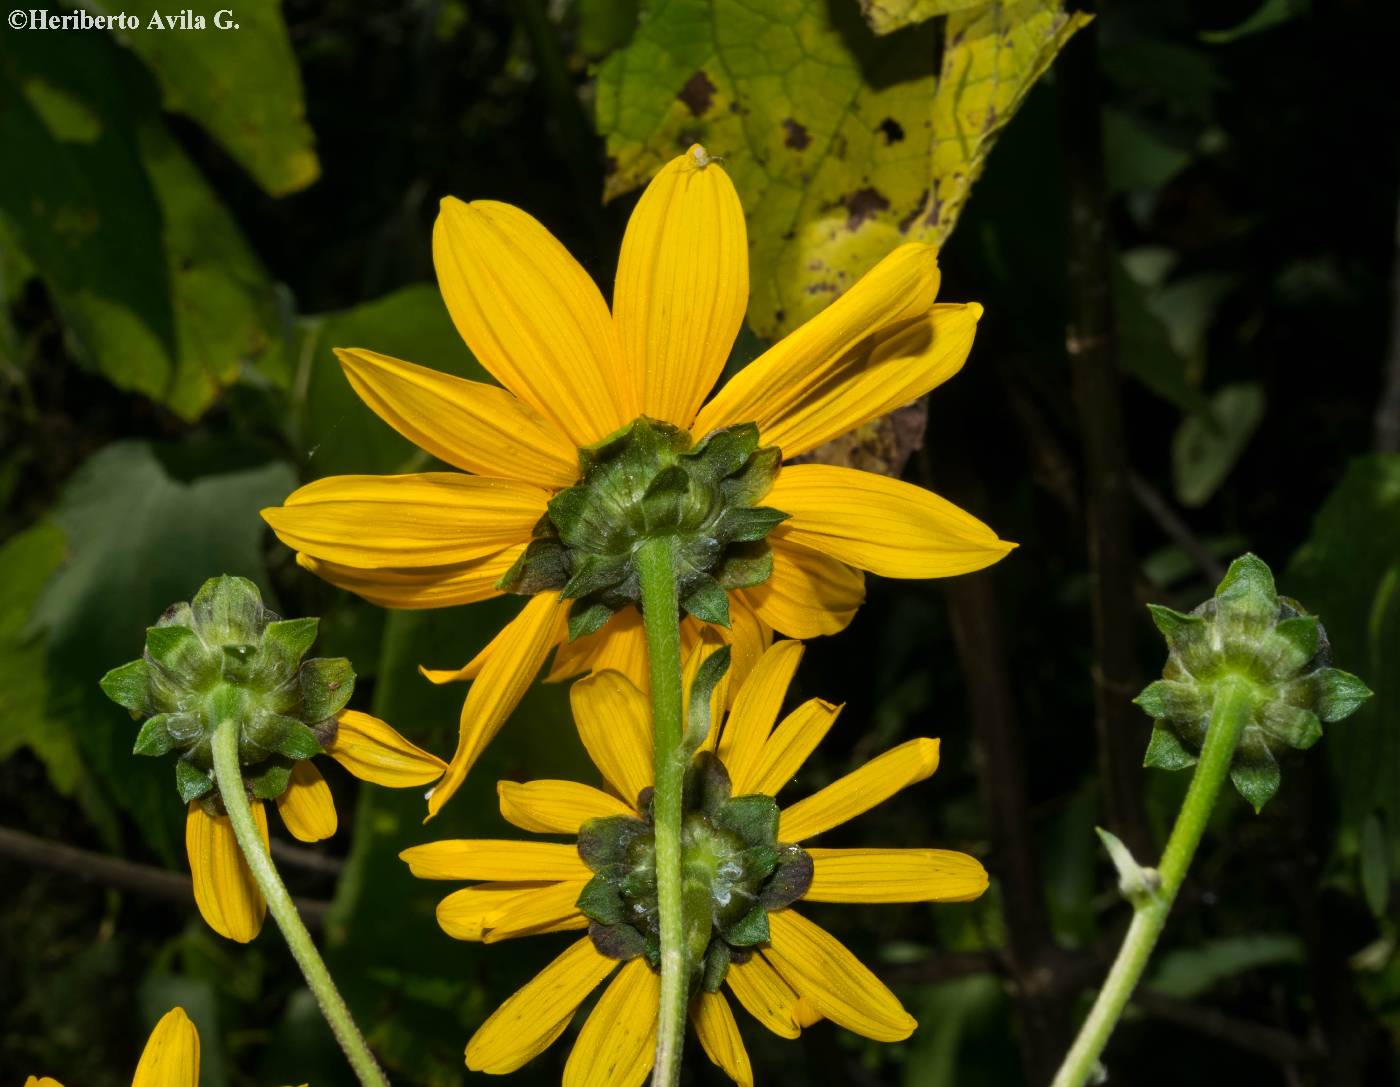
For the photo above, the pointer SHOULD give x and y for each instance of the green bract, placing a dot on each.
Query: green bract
(647, 480)
(1246, 631)
(734, 872)
(224, 656)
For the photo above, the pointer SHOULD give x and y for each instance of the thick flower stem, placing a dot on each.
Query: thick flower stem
(230, 778)
(656, 564)
(1231, 711)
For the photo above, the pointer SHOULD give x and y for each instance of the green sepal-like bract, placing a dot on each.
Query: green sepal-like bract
(224, 656)
(648, 480)
(1246, 632)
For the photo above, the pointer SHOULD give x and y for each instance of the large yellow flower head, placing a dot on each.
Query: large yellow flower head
(602, 435)
(746, 864)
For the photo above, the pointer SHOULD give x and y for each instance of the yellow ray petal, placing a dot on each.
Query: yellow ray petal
(228, 899)
(682, 285)
(614, 723)
(307, 807)
(834, 981)
(808, 594)
(420, 587)
(525, 1025)
(494, 647)
(41, 1081)
(764, 995)
(520, 652)
(748, 638)
(790, 382)
(374, 751)
(719, 1036)
(532, 316)
(489, 858)
(859, 791)
(498, 911)
(171, 1056)
(616, 1046)
(755, 709)
(894, 875)
(795, 738)
(478, 428)
(621, 646)
(424, 519)
(555, 807)
(880, 524)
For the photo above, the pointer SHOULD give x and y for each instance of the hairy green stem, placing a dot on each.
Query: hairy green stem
(229, 775)
(656, 564)
(1231, 711)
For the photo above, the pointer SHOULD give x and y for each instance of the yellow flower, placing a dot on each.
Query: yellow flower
(785, 970)
(170, 1059)
(224, 888)
(575, 373)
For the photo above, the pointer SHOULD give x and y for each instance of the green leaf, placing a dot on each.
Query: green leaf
(1192, 972)
(834, 169)
(241, 84)
(885, 16)
(1375, 865)
(1208, 444)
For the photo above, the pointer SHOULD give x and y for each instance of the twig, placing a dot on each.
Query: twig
(1269, 1042)
(1170, 522)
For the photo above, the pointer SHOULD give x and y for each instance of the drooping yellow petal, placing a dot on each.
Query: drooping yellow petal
(498, 911)
(171, 1056)
(682, 285)
(859, 791)
(491, 858)
(894, 875)
(834, 981)
(786, 389)
(519, 652)
(719, 1036)
(423, 519)
(795, 738)
(621, 646)
(307, 807)
(614, 723)
(228, 899)
(41, 1081)
(764, 995)
(420, 587)
(880, 524)
(808, 594)
(374, 751)
(478, 428)
(555, 807)
(755, 709)
(617, 1045)
(532, 316)
(525, 1025)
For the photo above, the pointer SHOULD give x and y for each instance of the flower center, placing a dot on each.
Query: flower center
(645, 481)
(733, 869)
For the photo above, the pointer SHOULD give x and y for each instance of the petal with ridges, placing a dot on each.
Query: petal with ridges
(617, 1045)
(420, 587)
(894, 875)
(555, 807)
(755, 709)
(859, 791)
(523, 1027)
(478, 428)
(682, 286)
(520, 652)
(880, 524)
(171, 1056)
(764, 995)
(228, 899)
(491, 858)
(719, 1036)
(791, 381)
(795, 738)
(499, 911)
(808, 594)
(374, 751)
(306, 806)
(621, 646)
(748, 638)
(532, 316)
(614, 723)
(422, 519)
(834, 981)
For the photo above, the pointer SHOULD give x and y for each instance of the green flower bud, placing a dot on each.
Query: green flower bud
(734, 872)
(648, 480)
(223, 656)
(1246, 632)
